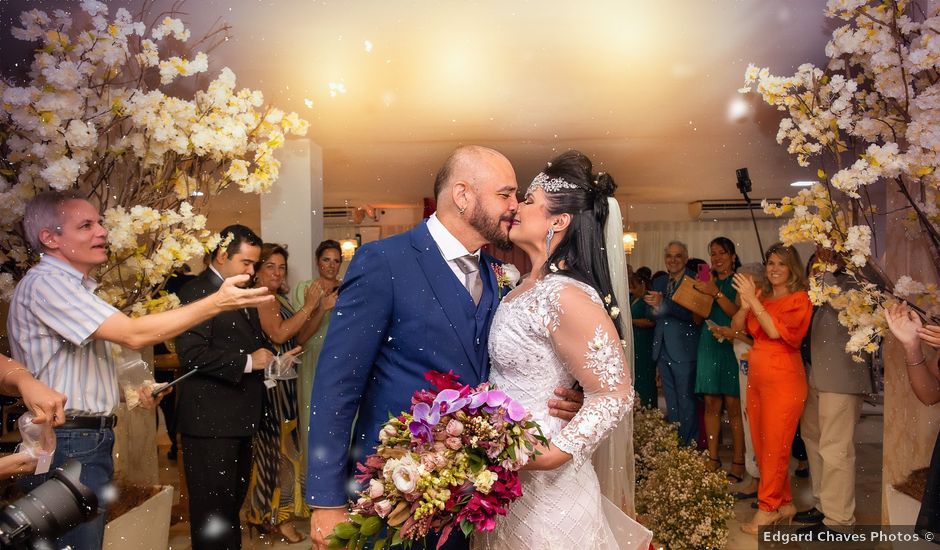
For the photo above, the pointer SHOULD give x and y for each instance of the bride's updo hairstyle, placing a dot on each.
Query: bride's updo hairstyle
(581, 254)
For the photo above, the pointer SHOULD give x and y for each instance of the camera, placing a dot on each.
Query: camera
(48, 511)
(744, 181)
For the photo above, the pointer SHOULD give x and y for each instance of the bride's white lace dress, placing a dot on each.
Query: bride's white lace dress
(544, 337)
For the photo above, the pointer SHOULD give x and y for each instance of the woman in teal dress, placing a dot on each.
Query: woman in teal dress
(644, 368)
(716, 374)
(329, 259)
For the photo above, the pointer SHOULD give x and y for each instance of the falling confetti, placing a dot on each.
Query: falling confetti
(337, 88)
(308, 103)
(368, 46)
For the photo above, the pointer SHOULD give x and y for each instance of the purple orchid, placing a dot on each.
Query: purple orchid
(495, 399)
(426, 417)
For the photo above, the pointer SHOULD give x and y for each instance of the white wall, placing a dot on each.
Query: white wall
(292, 213)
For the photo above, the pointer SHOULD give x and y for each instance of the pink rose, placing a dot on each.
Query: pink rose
(454, 428)
(383, 507)
(376, 488)
(454, 443)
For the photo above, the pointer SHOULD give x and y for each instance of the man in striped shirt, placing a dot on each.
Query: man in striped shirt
(63, 332)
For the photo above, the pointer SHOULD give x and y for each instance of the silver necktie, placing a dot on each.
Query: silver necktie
(470, 265)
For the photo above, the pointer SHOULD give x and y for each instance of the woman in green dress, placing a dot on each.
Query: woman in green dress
(717, 368)
(329, 257)
(644, 368)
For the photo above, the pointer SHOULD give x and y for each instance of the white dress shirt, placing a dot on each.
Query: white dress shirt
(450, 247)
(219, 275)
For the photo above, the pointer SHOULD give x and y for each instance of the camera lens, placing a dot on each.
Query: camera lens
(50, 510)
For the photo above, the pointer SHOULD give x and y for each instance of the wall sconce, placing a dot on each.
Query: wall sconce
(629, 241)
(348, 247)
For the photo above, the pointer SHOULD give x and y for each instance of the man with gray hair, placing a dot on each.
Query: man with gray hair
(62, 332)
(675, 343)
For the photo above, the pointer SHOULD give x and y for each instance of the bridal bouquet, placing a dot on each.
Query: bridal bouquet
(451, 461)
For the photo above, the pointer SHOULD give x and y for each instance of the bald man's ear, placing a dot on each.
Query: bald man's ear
(460, 192)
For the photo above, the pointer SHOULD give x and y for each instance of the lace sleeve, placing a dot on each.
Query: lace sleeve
(585, 340)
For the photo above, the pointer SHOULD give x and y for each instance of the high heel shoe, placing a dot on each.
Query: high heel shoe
(787, 511)
(761, 517)
(732, 477)
(288, 532)
(714, 461)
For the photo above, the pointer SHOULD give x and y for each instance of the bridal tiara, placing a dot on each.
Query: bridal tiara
(549, 185)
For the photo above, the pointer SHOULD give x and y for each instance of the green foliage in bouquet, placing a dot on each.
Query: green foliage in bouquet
(683, 503)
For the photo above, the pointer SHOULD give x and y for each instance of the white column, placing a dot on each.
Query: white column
(292, 212)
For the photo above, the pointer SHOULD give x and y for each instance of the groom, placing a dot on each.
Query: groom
(415, 302)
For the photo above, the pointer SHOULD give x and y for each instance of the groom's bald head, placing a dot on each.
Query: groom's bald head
(468, 163)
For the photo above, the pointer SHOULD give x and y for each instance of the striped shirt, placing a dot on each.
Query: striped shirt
(53, 314)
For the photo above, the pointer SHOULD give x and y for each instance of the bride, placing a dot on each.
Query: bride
(556, 329)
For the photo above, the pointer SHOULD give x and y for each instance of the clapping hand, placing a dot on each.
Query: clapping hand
(653, 298)
(905, 325)
(930, 334)
(747, 290)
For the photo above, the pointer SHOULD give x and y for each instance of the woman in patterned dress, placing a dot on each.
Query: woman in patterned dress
(275, 493)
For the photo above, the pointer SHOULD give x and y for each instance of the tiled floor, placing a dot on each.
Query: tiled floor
(867, 491)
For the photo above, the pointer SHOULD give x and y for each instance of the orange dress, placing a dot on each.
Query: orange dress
(776, 392)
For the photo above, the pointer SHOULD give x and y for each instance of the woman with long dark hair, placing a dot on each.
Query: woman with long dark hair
(716, 375)
(560, 327)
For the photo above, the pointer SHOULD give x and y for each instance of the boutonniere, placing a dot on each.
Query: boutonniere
(507, 276)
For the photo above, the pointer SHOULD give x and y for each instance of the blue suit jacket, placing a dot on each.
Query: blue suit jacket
(675, 333)
(401, 312)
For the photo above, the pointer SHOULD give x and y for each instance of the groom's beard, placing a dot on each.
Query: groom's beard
(490, 229)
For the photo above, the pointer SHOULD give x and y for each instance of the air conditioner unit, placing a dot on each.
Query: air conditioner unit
(728, 209)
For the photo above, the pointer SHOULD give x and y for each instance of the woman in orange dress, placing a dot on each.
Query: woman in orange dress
(777, 316)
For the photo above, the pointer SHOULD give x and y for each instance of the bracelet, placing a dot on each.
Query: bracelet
(917, 364)
(761, 311)
(717, 295)
(11, 371)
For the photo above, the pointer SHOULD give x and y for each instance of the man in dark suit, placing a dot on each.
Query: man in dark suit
(219, 408)
(675, 343)
(415, 302)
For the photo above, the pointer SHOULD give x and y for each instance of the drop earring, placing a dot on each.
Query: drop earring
(548, 239)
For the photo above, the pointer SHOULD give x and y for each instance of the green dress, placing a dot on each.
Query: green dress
(308, 366)
(644, 368)
(717, 367)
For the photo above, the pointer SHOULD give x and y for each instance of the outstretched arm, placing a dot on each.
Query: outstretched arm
(158, 327)
(586, 341)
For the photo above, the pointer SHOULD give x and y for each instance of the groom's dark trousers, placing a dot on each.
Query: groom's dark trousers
(401, 312)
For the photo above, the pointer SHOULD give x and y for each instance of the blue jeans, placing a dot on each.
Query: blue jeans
(678, 378)
(93, 449)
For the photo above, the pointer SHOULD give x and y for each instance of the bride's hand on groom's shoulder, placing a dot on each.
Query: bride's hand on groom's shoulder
(568, 404)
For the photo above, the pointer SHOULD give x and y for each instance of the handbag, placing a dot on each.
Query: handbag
(697, 302)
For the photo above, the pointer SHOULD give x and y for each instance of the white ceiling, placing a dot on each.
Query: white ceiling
(642, 87)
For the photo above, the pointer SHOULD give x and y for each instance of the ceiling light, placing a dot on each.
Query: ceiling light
(802, 184)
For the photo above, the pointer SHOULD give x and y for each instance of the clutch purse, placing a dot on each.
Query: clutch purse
(691, 299)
